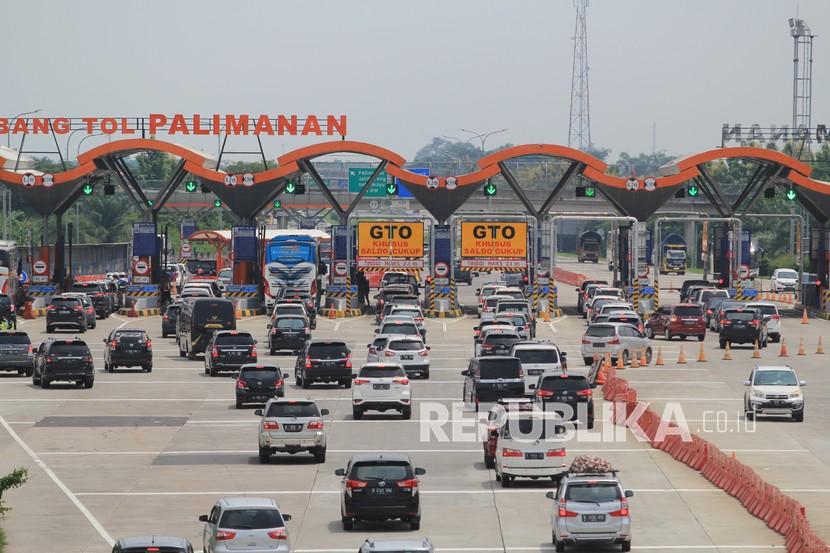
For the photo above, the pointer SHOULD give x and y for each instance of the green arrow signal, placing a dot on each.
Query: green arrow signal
(791, 194)
(87, 189)
(290, 187)
(190, 186)
(392, 189)
(150, 203)
(277, 204)
(590, 191)
(217, 203)
(693, 190)
(490, 190)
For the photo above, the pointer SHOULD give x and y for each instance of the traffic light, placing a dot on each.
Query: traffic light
(791, 194)
(150, 203)
(87, 189)
(586, 192)
(295, 188)
(205, 189)
(680, 193)
(277, 204)
(769, 192)
(109, 190)
(217, 203)
(490, 190)
(392, 189)
(191, 186)
(692, 190)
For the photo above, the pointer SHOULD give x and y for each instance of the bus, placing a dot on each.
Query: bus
(293, 265)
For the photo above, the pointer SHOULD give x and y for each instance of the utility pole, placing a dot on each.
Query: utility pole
(579, 123)
(802, 82)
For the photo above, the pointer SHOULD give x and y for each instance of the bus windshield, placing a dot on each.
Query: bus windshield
(291, 252)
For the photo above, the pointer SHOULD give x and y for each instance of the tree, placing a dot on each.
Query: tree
(154, 166)
(15, 479)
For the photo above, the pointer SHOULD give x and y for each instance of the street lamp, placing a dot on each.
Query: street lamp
(18, 116)
(482, 136)
(82, 141)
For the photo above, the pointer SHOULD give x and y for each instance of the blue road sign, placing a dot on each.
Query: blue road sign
(402, 191)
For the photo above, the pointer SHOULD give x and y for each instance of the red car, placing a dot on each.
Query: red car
(684, 319)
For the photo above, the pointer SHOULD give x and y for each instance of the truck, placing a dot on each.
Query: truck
(673, 255)
(8, 268)
(587, 246)
(293, 265)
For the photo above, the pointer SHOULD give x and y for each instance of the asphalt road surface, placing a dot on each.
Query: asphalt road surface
(148, 453)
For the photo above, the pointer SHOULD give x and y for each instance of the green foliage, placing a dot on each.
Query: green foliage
(642, 164)
(783, 261)
(14, 479)
(154, 166)
(240, 167)
(2, 540)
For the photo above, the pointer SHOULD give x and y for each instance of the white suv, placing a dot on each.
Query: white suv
(527, 446)
(538, 359)
(770, 312)
(774, 391)
(291, 426)
(784, 280)
(381, 387)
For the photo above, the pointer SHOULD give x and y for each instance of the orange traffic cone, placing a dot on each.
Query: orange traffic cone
(607, 361)
(681, 358)
(804, 320)
(635, 361)
(801, 348)
(701, 354)
(643, 359)
(659, 360)
(756, 354)
(820, 348)
(727, 353)
(783, 351)
(620, 365)
(238, 310)
(601, 376)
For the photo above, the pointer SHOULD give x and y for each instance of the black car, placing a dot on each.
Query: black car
(742, 325)
(128, 347)
(16, 352)
(572, 390)
(388, 295)
(684, 288)
(380, 487)
(152, 544)
(8, 312)
(288, 332)
(259, 383)
(198, 319)
(228, 350)
(66, 360)
(499, 343)
(580, 293)
(492, 378)
(65, 311)
(168, 321)
(324, 361)
(308, 304)
(89, 309)
(102, 298)
(462, 275)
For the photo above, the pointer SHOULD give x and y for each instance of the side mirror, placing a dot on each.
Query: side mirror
(203, 518)
(429, 348)
(563, 354)
(368, 345)
(629, 493)
(256, 341)
(475, 328)
(104, 340)
(552, 495)
(802, 382)
(284, 375)
(532, 386)
(324, 412)
(286, 517)
(377, 330)
(747, 383)
(268, 326)
(420, 472)
(478, 291)
(494, 433)
(354, 376)
(258, 412)
(340, 472)
(465, 373)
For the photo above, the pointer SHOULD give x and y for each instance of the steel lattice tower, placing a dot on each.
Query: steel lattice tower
(579, 124)
(802, 74)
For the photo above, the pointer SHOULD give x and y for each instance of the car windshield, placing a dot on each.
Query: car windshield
(407, 313)
(335, 350)
(399, 328)
(201, 267)
(688, 311)
(251, 519)
(290, 310)
(531, 428)
(491, 301)
(16, 339)
(74, 350)
(593, 492)
(676, 254)
(130, 334)
(705, 295)
(261, 373)
(600, 331)
(502, 339)
(387, 470)
(516, 320)
(66, 302)
(537, 355)
(234, 340)
(512, 306)
(571, 383)
(788, 274)
(766, 309)
(740, 315)
(290, 323)
(293, 409)
(775, 378)
(396, 278)
(213, 311)
(382, 372)
(406, 345)
(502, 368)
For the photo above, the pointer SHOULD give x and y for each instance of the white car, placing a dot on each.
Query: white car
(407, 351)
(205, 285)
(528, 446)
(496, 328)
(413, 312)
(770, 312)
(291, 426)
(224, 278)
(488, 308)
(381, 387)
(701, 296)
(487, 290)
(774, 390)
(538, 359)
(784, 280)
(618, 340)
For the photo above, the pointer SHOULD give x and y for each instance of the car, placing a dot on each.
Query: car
(528, 445)
(308, 304)
(289, 332)
(390, 278)
(152, 543)
(618, 340)
(742, 325)
(102, 299)
(683, 320)
(16, 352)
(774, 390)
(399, 326)
(601, 292)
(407, 351)
(195, 292)
(291, 426)
(208, 286)
(376, 347)
(168, 320)
(8, 311)
(198, 319)
(519, 321)
(462, 275)
(518, 306)
(569, 389)
(688, 283)
(128, 347)
(610, 306)
(590, 509)
(389, 293)
(514, 292)
(700, 296)
(710, 308)
(381, 387)
(488, 379)
(397, 546)
(490, 329)
(88, 308)
(487, 289)
(598, 300)
(378, 487)
(582, 293)
(601, 302)
(413, 311)
(538, 359)
(495, 419)
(63, 360)
(784, 280)
(718, 311)
(176, 273)
(65, 311)
(488, 307)
(228, 350)
(324, 361)
(257, 383)
(623, 317)
(693, 291)
(224, 278)
(251, 524)
(513, 278)
(286, 308)
(498, 342)
(770, 312)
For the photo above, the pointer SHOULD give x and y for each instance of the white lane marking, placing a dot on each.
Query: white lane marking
(552, 548)
(332, 492)
(188, 399)
(676, 382)
(122, 325)
(117, 318)
(691, 399)
(54, 477)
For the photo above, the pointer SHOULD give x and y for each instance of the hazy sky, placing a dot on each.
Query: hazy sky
(405, 71)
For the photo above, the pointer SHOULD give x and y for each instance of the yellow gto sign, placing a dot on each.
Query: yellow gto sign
(384, 240)
(499, 242)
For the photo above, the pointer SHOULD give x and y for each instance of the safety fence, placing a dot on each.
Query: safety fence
(780, 512)
(568, 277)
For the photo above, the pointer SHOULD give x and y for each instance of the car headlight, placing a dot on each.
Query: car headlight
(795, 394)
(760, 395)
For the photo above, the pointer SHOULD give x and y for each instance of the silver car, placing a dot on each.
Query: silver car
(251, 524)
(381, 387)
(397, 546)
(539, 359)
(406, 351)
(394, 317)
(619, 340)
(590, 509)
(291, 426)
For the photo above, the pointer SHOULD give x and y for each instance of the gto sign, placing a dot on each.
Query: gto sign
(493, 243)
(393, 244)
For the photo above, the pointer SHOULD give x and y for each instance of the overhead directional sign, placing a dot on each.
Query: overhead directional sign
(144, 239)
(497, 244)
(359, 176)
(191, 186)
(390, 244)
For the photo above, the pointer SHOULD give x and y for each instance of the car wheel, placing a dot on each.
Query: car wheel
(722, 343)
(666, 335)
(29, 371)
(489, 462)
(750, 415)
(591, 423)
(406, 413)
(305, 383)
(164, 334)
(498, 476)
(107, 367)
(625, 357)
(89, 382)
(191, 355)
(348, 524)
(264, 455)
(182, 353)
(357, 413)
(50, 329)
(35, 379)
(148, 368)
(320, 454)
(425, 374)
(648, 356)
(238, 404)
(212, 371)
(558, 545)
(701, 337)
(765, 343)
(505, 481)
(626, 545)
(347, 383)
(415, 524)
(799, 417)
(649, 333)
(272, 351)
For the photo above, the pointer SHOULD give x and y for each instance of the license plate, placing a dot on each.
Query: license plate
(598, 344)
(406, 357)
(380, 386)
(500, 385)
(535, 372)
(593, 518)
(235, 353)
(293, 427)
(534, 455)
(63, 312)
(382, 491)
(689, 322)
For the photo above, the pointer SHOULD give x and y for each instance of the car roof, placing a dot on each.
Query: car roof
(233, 502)
(289, 304)
(233, 333)
(373, 457)
(327, 343)
(774, 368)
(686, 305)
(290, 316)
(496, 358)
(535, 345)
(762, 304)
(152, 540)
(381, 366)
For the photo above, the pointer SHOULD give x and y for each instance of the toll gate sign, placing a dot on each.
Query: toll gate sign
(494, 244)
(390, 244)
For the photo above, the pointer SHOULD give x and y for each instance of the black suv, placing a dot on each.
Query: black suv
(492, 378)
(8, 310)
(128, 347)
(228, 350)
(380, 487)
(102, 299)
(566, 389)
(159, 544)
(324, 361)
(168, 321)
(65, 311)
(308, 304)
(742, 325)
(499, 343)
(16, 352)
(288, 332)
(259, 383)
(68, 360)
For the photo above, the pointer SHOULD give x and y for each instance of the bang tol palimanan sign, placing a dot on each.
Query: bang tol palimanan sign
(390, 244)
(493, 244)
